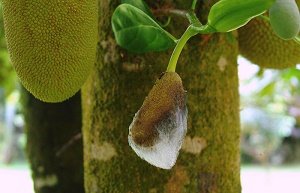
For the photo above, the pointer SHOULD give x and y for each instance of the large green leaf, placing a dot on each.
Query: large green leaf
(228, 15)
(140, 4)
(135, 31)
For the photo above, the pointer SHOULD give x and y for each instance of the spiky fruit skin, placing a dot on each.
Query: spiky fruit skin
(52, 44)
(260, 45)
(166, 95)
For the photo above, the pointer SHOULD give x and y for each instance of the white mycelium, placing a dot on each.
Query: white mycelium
(171, 132)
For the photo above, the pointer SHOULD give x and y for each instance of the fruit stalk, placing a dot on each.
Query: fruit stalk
(182, 41)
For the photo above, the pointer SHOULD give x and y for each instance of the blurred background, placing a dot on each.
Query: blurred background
(270, 122)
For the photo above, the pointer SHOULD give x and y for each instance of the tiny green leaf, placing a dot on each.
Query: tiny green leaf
(135, 31)
(140, 4)
(228, 15)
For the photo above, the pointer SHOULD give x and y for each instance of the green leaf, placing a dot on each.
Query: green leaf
(228, 15)
(268, 89)
(137, 32)
(140, 4)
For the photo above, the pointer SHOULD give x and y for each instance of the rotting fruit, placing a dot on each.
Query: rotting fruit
(52, 44)
(158, 128)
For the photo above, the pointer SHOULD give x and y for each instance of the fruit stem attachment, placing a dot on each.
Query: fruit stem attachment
(190, 31)
(264, 18)
(297, 39)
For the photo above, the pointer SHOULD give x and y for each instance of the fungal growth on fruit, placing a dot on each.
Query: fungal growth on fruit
(158, 128)
(52, 44)
(285, 19)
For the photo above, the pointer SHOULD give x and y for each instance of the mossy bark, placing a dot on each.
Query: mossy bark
(115, 90)
(54, 145)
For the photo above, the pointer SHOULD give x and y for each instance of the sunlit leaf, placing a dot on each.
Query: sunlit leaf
(268, 89)
(228, 15)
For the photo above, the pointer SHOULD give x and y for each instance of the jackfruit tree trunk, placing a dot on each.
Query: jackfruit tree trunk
(115, 90)
(54, 144)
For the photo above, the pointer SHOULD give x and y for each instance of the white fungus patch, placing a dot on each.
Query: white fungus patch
(193, 145)
(171, 132)
(103, 152)
(46, 181)
(222, 62)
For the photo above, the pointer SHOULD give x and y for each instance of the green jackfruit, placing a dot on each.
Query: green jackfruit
(52, 44)
(260, 45)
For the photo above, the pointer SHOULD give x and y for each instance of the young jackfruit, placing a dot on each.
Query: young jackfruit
(158, 128)
(260, 45)
(52, 44)
(285, 18)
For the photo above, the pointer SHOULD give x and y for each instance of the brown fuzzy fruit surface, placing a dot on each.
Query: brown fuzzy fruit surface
(161, 102)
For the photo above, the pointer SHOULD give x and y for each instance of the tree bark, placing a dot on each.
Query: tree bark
(54, 144)
(115, 90)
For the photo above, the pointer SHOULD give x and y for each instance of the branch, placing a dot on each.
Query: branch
(68, 144)
(169, 12)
